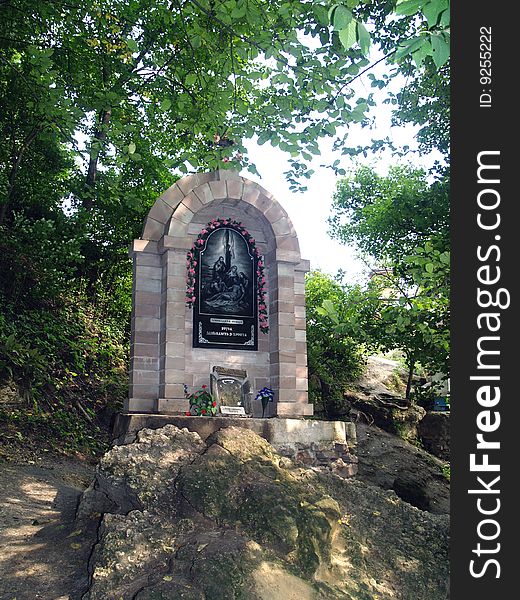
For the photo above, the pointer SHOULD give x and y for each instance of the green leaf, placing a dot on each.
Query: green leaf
(347, 36)
(341, 18)
(440, 50)
(132, 45)
(422, 52)
(363, 37)
(408, 7)
(131, 148)
(433, 9)
(165, 105)
(430, 267)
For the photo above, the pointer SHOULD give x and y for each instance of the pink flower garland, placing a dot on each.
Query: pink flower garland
(192, 259)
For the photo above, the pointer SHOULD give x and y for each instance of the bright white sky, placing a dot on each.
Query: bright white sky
(309, 210)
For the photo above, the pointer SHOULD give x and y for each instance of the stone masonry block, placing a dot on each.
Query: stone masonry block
(183, 243)
(171, 390)
(174, 358)
(140, 298)
(144, 377)
(144, 350)
(188, 183)
(300, 335)
(282, 357)
(146, 324)
(274, 213)
(173, 196)
(175, 405)
(147, 285)
(302, 383)
(218, 189)
(175, 321)
(301, 371)
(226, 174)
(160, 211)
(250, 193)
(204, 193)
(147, 310)
(281, 227)
(183, 213)
(140, 405)
(148, 272)
(145, 364)
(301, 347)
(144, 390)
(153, 230)
(287, 256)
(193, 202)
(148, 246)
(174, 376)
(234, 188)
(176, 227)
(145, 337)
(143, 259)
(300, 324)
(301, 360)
(304, 265)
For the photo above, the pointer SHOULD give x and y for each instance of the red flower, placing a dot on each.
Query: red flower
(214, 403)
(204, 387)
(203, 411)
(188, 414)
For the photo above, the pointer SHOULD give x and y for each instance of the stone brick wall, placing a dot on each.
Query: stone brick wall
(162, 357)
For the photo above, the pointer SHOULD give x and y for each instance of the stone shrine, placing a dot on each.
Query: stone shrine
(218, 282)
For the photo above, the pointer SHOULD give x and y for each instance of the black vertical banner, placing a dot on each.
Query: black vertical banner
(485, 331)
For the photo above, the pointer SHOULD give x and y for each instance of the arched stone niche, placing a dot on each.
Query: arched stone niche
(163, 358)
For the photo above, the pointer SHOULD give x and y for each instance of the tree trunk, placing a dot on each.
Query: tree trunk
(100, 135)
(411, 366)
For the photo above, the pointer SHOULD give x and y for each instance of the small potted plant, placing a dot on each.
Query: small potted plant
(202, 403)
(265, 395)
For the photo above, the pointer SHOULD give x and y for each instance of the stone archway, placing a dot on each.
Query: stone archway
(162, 356)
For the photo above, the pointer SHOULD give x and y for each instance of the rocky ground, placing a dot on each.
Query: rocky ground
(43, 553)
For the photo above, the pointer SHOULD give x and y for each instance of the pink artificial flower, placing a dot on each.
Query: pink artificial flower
(194, 263)
(191, 271)
(262, 306)
(260, 263)
(262, 280)
(252, 241)
(193, 298)
(200, 242)
(204, 231)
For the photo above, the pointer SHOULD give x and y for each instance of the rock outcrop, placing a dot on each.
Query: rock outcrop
(378, 398)
(389, 462)
(231, 519)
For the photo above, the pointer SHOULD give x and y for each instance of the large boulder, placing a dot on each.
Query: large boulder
(230, 519)
(391, 463)
(434, 433)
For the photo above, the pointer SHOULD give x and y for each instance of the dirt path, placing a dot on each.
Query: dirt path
(41, 553)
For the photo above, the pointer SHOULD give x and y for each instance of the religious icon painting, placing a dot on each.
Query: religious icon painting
(225, 311)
